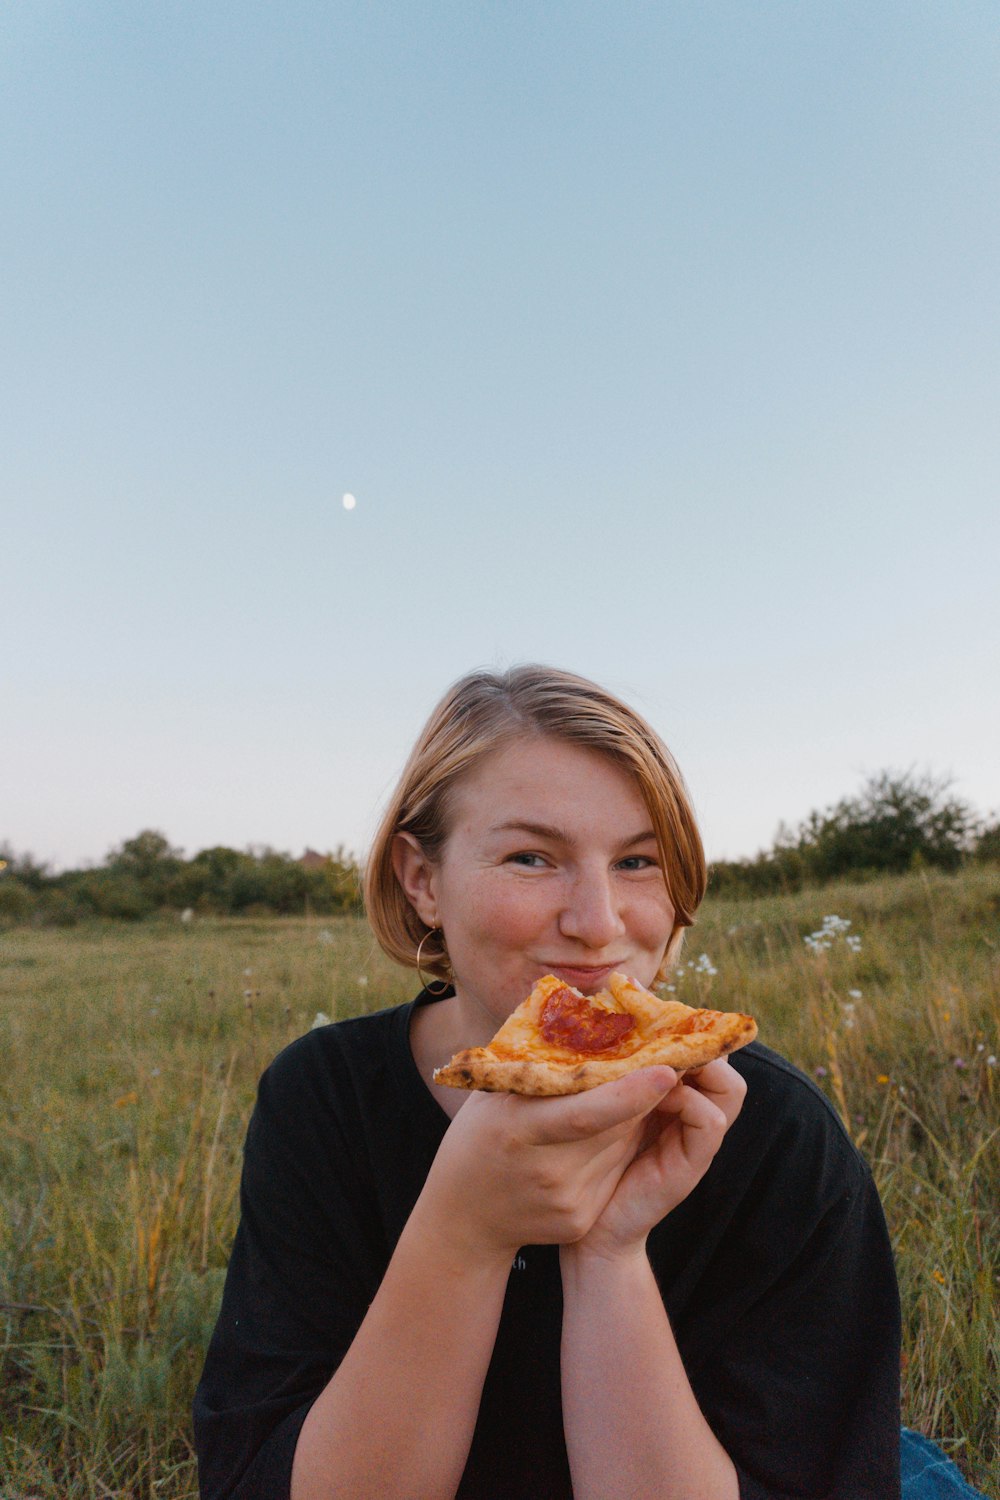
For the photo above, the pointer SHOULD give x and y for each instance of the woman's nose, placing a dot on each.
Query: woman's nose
(591, 913)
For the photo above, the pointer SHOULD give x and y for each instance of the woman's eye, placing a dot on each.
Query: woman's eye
(637, 862)
(528, 861)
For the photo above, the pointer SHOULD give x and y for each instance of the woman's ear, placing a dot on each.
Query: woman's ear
(417, 875)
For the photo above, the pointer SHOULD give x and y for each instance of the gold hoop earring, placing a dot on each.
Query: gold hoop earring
(441, 983)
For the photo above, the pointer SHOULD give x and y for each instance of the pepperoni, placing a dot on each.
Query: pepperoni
(572, 1022)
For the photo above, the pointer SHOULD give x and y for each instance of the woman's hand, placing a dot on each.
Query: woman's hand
(513, 1171)
(680, 1139)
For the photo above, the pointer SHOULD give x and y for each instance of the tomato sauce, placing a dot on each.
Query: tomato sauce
(701, 1020)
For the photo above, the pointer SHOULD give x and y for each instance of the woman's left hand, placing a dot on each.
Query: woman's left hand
(682, 1135)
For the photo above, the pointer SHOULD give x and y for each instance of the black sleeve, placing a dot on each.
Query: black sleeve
(796, 1358)
(810, 1380)
(305, 1266)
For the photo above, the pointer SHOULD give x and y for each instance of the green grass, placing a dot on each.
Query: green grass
(130, 1060)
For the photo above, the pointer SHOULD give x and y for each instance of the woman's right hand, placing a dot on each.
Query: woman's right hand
(513, 1171)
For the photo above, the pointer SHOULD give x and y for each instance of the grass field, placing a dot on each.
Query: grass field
(130, 1060)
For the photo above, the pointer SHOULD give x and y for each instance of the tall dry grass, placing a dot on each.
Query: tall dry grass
(131, 1057)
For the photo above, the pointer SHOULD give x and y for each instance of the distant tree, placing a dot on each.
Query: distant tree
(17, 900)
(23, 867)
(284, 883)
(336, 887)
(899, 820)
(204, 882)
(113, 893)
(133, 881)
(768, 873)
(988, 843)
(149, 858)
(248, 886)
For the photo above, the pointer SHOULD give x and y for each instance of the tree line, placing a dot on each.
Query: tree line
(146, 875)
(896, 822)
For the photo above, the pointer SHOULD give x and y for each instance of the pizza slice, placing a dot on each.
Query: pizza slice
(559, 1041)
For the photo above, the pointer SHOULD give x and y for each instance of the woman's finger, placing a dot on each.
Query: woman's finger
(574, 1117)
(702, 1122)
(722, 1084)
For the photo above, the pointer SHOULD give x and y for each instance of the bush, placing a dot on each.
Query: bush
(115, 895)
(148, 862)
(340, 880)
(247, 886)
(17, 901)
(57, 909)
(204, 882)
(988, 843)
(23, 867)
(896, 823)
(779, 872)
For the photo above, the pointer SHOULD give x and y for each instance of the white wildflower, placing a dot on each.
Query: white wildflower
(832, 928)
(321, 1020)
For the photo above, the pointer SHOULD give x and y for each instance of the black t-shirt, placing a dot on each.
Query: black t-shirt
(776, 1273)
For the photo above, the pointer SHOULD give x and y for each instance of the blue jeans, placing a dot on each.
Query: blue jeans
(928, 1474)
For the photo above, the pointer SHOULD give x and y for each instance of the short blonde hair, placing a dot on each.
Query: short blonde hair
(485, 711)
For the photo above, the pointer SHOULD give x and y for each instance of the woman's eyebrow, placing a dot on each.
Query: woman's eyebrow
(648, 835)
(546, 831)
(540, 830)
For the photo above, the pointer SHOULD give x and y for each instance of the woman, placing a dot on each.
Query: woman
(655, 1288)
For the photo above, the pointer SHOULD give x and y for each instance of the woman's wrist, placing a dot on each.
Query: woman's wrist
(602, 1258)
(457, 1240)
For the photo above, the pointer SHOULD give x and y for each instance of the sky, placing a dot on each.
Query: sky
(657, 342)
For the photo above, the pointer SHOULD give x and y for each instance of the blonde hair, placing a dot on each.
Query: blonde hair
(485, 711)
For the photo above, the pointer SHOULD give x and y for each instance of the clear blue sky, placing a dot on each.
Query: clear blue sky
(660, 342)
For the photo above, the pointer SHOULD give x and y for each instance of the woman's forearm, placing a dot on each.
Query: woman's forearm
(633, 1427)
(398, 1416)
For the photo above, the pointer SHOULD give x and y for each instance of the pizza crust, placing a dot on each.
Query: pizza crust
(519, 1059)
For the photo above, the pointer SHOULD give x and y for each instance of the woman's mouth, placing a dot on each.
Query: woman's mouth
(585, 977)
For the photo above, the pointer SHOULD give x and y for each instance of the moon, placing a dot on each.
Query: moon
(349, 502)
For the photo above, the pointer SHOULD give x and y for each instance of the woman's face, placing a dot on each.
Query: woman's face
(550, 867)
